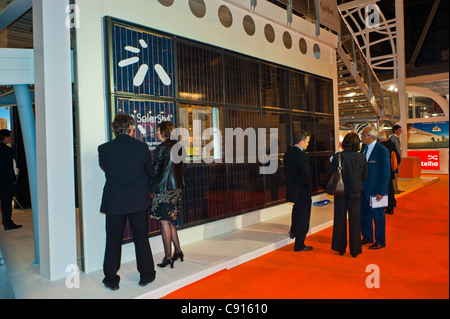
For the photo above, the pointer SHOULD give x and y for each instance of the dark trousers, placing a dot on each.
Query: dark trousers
(391, 197)
(114, 236)
(351, 203)
(371, 217)
(6, 196)
(301, 215)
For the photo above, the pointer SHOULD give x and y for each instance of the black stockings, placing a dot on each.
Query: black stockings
(169, 235)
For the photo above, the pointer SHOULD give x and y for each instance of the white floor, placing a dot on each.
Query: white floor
(202, 258)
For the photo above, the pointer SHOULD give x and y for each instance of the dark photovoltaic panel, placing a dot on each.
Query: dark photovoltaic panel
(242, 80)
(147, 115)
(143, 62)
(275, 85)
(199, 73)
(299, 92)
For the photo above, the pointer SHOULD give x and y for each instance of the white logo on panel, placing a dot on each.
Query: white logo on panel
(143, 69)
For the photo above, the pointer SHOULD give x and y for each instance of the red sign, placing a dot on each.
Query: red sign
(429, 159)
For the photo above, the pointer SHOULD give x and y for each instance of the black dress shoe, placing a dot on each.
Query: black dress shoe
(363, 242)
(145, 282)
(11, 226)
(112, 288)
(306, 248)
(376, 246)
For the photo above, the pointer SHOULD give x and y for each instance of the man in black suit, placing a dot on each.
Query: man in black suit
(394, 157)
(395, 138)
(7, 179)
(298, 188)
(126, 163)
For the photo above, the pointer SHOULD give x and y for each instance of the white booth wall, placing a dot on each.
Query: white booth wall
(90, 78)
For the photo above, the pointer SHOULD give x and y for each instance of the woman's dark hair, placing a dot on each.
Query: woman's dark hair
(166, 128)
(351, 142)
(121, 124)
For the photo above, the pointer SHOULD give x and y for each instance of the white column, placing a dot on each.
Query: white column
(54, 138)
(402, 97)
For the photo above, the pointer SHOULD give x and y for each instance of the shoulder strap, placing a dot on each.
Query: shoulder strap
(339, 158)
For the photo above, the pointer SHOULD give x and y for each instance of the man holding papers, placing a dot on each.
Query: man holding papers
(376, 186)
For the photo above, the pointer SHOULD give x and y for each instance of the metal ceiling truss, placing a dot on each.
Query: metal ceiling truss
(365, 26)
(359, 15)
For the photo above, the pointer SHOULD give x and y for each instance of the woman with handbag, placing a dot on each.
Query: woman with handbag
(354, 171)
(167, 182)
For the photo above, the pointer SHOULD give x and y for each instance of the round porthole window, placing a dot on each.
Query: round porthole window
(166, 3)
(225, 16)
(198, 8)
(287, 40)
(269, 32)
(303, 46)
(249, 25)
(316, 50)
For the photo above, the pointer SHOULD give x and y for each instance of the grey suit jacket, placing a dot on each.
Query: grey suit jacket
(394, 138)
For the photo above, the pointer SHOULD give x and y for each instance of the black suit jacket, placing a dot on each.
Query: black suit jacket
(298, 174)
(354, 170)
(7, 175)
(390, 145)
(126, 163)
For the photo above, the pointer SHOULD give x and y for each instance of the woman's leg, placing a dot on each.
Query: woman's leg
(175, 240)
(354, 223)
(339, 237)
(166, 234)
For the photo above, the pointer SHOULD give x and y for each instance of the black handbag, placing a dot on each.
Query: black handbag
(335, 185)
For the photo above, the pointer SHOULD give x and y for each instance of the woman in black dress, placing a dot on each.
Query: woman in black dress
(167, 182)
(354, 171)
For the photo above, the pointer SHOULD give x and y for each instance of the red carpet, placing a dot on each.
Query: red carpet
(414, 264)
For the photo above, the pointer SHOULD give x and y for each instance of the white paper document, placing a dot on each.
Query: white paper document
(382, 203)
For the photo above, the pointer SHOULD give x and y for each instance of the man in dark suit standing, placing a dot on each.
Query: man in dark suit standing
(7, 179)
(298, 188)
(395, 138)
(126, 163)
(394, 158)
(375, 186)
